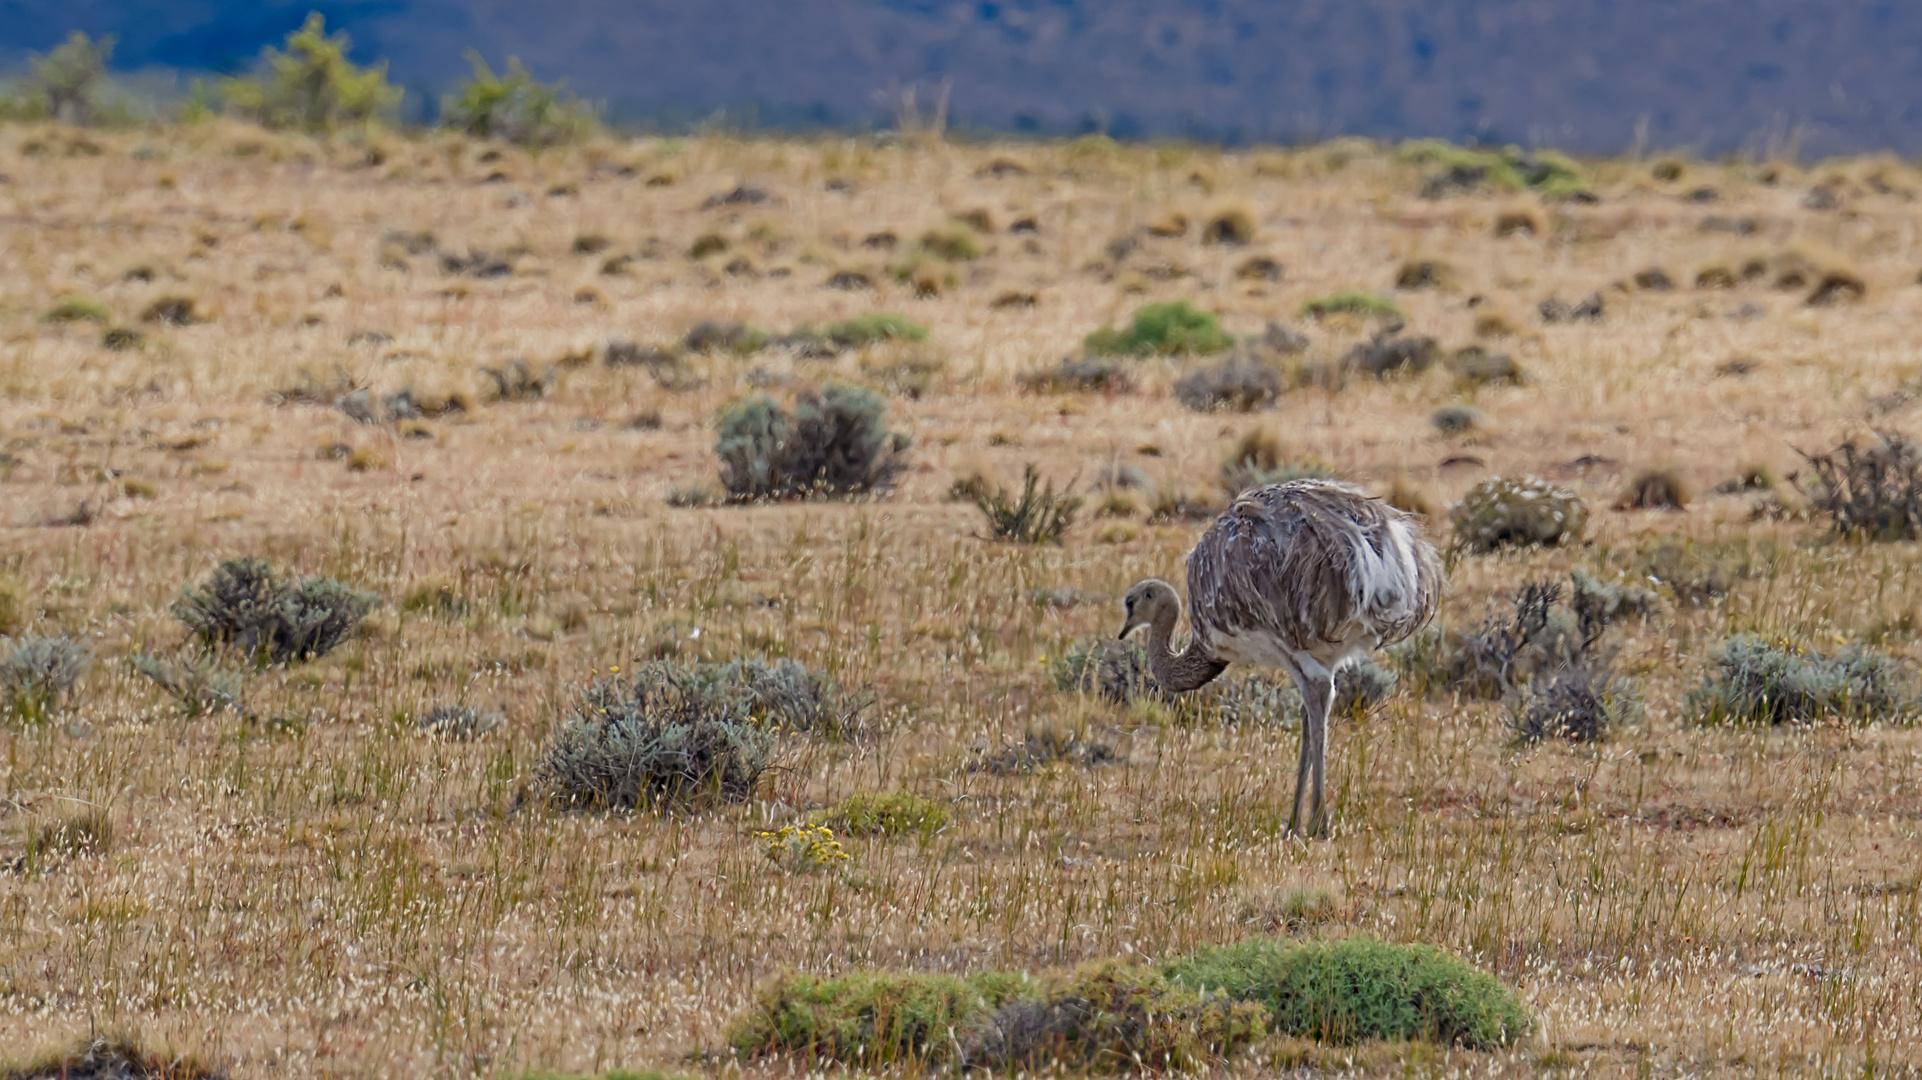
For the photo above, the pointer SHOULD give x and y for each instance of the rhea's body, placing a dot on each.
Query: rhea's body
(1307, 576)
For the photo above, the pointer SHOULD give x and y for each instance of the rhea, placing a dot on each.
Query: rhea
(1307, 576)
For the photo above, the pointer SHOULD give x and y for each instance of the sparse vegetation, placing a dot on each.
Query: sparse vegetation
(37, 674)
(1039, 515)
(1761, 682)
(1237, 384)
(1517, 511)
(662, 738)
(893, 814)
(1170, 329)
(1365, 304)
(833, 444)
(1873, 491)
(515, 107)
(246, 607)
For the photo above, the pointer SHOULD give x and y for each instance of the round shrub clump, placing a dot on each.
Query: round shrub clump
(1508, 511)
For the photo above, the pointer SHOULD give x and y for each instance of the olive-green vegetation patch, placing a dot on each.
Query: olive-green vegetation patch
(1168, 329)
(1360, 988)
(893, 813)
(1109, 1015)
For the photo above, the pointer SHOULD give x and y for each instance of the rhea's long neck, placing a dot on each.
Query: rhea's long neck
(1183, 671)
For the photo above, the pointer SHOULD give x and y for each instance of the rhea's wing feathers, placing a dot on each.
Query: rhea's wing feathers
(1311, 562)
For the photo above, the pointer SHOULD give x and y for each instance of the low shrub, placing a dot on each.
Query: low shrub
(1474, 365)
(955, 243)
(37, 673)
(1759, 682)
(1504, 511)
(1508, 168)
(78, 309)
(1871, 491)
(1386, 356)
(802, 848)
(518, 380)
(1040, 515)
(890, 814)
(1093, 373)
(1588, 309)
(460, 723)
(1426, 274)
(1365, 304)
(731, 337)
(113, 1058)
(1655, 489)
(1234, 227)
(69, 836)
(1180, 1015)
(1580, 703)
(834, 444)
(1042, 747)
(1360, 988)
(663, 737)
(1168, 329)
(1259, 459)
(1457, 419)
(245, 606)
(858, 332)
(1237, 384)
(516, 107)
(197, 686)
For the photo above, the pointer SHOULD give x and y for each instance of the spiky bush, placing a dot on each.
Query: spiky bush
(661, 738)
(245, 606)
(1581, 703)
(1360, 988)
(36, 673)
(1168, 329)
(312, 86)
(1237, 384)
(1873, 491)
(1040, 515)
(516, 107)
(1759, 682)
(834, 444)
(1507, 511)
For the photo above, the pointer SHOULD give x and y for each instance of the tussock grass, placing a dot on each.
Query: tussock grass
(1169, 329)
(1039, 515)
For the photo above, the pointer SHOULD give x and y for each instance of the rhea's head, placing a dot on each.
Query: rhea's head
(1149, 602)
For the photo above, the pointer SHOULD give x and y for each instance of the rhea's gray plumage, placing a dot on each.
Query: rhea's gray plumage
(1307, 576)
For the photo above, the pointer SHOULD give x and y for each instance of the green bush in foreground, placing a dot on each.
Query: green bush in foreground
(1361, 988)
(1760, 683)
(1168, 329)
(1109, 1015)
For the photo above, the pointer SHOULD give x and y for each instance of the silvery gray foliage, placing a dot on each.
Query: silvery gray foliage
(37, 672)
(246, 606)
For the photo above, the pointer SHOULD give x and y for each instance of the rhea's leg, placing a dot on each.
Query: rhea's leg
(1301, 773)
(1317, 696)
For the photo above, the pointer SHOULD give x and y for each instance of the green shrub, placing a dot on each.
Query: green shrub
(312, 86)
(77, 309)
(663, 737)
(1757, 682)
(1360, 303)
(69, 76)
(1168, 329)
(1510, 168)
(1039, 516)
(36, 673)
(867, 1019)
(1505, 511)
(515, 107)
(1360, 988)
(856, 333)
(895, 813)
(834, 444)
(274, 621)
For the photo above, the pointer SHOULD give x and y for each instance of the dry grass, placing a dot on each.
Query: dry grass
(312, 887)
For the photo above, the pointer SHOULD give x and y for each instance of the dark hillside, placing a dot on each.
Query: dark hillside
(1714, 75)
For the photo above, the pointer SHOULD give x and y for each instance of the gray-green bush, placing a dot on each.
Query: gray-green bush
(1759, 682)
(37, 673)
(662, 737)
(834, 444)
(274, 621)
(515, 107)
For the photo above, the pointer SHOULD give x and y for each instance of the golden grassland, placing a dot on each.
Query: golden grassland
(322, 891)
